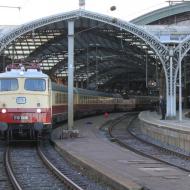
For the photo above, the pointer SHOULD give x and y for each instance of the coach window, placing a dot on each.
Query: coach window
(8, 84)
(80, 99)
(56, 98)
(64, 98)
(35, 84)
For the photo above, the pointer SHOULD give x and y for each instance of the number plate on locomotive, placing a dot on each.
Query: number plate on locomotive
(21, 100)
(20, 117)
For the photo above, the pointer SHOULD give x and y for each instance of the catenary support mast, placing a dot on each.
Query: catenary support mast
(70, 72)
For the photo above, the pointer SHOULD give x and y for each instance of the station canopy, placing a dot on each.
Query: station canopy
(105, 56)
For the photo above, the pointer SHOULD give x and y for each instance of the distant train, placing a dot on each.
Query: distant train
(30, 102)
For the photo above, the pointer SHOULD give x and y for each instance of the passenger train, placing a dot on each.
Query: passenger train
(30, 102)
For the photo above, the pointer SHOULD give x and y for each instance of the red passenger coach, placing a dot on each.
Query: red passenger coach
(25, 100)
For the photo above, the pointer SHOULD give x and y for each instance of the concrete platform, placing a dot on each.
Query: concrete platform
(96, 154)
(171, 132)
(154, 118)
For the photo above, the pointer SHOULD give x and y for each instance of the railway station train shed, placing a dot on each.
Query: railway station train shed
(140, 57)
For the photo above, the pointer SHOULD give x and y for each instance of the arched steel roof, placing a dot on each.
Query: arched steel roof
(177, 15)
(99, 39)
(162, 13)
(20, 30)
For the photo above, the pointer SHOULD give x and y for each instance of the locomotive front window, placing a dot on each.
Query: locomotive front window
(35, 84)
(8, 84)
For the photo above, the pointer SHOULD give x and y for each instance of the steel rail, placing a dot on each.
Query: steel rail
(9, 170)
(124, 144)
(69, 183)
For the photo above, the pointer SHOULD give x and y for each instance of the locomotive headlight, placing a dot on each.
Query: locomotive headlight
(39, 110)
(21, 73)
(3, 110)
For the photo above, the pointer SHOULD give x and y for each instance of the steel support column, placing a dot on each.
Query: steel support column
(171, 86)
(171, 107)
(70, 72)
(180, 86)
(174, 100)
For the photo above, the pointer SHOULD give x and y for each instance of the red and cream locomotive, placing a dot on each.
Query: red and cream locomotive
(25, 99)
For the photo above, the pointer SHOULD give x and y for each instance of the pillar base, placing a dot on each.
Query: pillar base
(69, 134)
(170, 117)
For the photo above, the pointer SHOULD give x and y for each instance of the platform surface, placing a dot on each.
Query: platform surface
(154, 118)
(126, 167)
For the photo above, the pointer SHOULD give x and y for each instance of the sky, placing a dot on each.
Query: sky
(34, 9)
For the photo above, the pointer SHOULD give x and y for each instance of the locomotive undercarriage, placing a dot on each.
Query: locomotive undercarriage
(17, 132)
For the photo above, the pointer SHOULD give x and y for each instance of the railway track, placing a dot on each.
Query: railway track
(41, 167)
(4, 180)
(70, 171)
(124, 131)
(26, 170)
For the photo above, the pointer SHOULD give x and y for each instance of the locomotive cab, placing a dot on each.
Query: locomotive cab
(25, 101)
